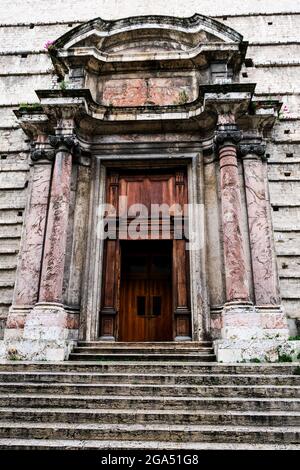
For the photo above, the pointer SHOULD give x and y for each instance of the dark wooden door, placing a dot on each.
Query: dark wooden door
(144, 299)
(146, 291)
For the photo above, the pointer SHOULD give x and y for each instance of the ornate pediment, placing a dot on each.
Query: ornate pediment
(150, 74)
(148, 33)
(114, 45)
(148, 60)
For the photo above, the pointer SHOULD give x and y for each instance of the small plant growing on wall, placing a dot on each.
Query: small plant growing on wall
(285, 358)
(255, 360)
(182, 97)
(63, 85)
(30, 106)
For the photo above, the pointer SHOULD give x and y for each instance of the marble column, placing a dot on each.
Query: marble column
(236, 282)
(46, 332)
(51, 286)
(30, 257)
(265, 278)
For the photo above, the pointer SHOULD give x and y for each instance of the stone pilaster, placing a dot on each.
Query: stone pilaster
(263, 256)
(247, 330)
(46, 334)
(239, 320)
(30, 257)
(57, 224)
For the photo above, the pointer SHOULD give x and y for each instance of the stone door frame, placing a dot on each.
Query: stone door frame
(92, 279)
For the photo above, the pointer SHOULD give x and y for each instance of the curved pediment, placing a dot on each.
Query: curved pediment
(150, 36)
(148, 59)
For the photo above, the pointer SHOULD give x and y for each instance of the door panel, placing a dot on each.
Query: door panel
(146, 292)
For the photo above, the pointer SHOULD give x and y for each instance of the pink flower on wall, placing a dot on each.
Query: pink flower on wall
(285, 110)
(48, 44)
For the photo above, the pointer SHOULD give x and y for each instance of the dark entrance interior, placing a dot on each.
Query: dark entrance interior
(146, 291)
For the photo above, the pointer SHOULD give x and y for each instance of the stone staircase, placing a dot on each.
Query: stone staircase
(184, 351)
(148, 396)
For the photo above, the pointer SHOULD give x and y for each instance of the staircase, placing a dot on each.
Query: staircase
(185, 351)
(148, 396)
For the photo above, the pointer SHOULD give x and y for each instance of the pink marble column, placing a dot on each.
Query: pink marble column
(237, 289)
(266, 284)
(56, 234)
(30, 257)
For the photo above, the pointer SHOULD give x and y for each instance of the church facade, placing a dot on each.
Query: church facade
(149, 208)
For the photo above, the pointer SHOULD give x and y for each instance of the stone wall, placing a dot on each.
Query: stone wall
(272, 31)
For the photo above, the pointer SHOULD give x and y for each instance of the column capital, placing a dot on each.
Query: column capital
(252, 149)
(62, 143)
(227, 133)
(42, 154)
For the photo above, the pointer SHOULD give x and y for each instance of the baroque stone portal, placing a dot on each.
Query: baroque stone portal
(151, 106)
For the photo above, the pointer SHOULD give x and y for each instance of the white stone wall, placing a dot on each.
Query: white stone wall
(272, 29)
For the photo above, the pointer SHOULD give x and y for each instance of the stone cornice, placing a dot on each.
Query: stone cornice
(201, 113)
(34, 121)
(95, 61)
(261, 117)
(227, 89)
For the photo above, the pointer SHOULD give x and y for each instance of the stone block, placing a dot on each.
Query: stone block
(262, 350)
(14, 91)
(237, 11)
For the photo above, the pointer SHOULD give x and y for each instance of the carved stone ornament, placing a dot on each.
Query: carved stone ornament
(228, 133)
(258, 149)
(65, 144)
(42, 154)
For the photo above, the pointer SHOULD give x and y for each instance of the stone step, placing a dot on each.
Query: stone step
(31, 400)
(159, 379)
(70, 415)
(179, 345)
(147, 346)
(156, 432)
(260, 391)
(143, 351)
(178, 356)
(172, 367)
(92, 444)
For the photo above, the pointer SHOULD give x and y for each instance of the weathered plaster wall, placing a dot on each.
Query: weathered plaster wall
(272, 29)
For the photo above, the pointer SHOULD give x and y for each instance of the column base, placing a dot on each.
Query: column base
(14, 328)
(182, 338)
(46, 336)
(107, 338)
(251, 332)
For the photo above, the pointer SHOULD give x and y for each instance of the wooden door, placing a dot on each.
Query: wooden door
(151, 301)
(146, 291)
